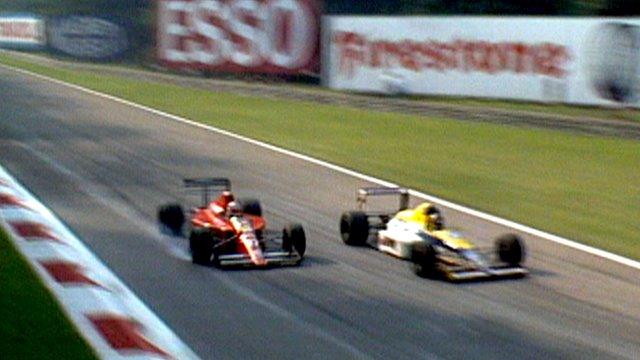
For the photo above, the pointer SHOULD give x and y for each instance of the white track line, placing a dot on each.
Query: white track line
(463, 209)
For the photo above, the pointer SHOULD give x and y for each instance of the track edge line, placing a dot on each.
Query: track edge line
(461, 208)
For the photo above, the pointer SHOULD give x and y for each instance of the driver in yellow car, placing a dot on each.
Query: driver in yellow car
(424, 214)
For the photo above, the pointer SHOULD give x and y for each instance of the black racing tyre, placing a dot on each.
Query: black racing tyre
(251, 207)
(172, 217)
(201, 243)
(424, 260)
(510, 249)
(293, 238)
(354, 228)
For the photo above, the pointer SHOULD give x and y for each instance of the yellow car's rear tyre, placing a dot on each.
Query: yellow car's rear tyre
(354, 228)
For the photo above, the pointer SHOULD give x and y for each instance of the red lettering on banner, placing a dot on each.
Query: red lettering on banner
(124, 334)
(32, 231)
(273, 36)
(18, 30)
(67, 273)
(355, 50)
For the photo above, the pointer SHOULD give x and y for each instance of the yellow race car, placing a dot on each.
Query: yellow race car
(419, 234)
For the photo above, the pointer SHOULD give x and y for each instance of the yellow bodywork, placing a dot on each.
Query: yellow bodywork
(453, 241)
(418, 216)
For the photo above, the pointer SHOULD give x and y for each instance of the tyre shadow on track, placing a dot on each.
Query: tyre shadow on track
(533, 273)
(309, 262)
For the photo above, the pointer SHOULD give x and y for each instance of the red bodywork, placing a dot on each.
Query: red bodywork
(242, 230)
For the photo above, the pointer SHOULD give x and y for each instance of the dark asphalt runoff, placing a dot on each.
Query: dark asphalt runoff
(104, 168)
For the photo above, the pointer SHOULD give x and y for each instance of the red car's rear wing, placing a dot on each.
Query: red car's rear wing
(207, 186)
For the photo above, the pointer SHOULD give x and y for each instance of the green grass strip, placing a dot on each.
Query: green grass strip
(32, 325)
(582, 187)
(609, 113)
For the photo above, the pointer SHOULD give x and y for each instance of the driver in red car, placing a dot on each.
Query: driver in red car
(221, 204)
(233, 209)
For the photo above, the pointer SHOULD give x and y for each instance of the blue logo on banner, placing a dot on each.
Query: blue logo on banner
(88, 38)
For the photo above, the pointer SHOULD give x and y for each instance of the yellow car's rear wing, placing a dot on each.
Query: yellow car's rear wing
(365, 192)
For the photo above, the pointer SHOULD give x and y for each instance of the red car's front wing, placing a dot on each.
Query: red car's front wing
(274, 258)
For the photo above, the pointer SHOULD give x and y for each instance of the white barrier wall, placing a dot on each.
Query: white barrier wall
(572, 60)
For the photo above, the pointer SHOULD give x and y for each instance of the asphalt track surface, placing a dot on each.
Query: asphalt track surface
(104, 168)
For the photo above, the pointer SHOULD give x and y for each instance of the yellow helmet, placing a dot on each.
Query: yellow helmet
(433, 218)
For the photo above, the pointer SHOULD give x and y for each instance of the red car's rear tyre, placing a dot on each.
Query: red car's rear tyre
(294, 238)
(171, 216)
(251, 207)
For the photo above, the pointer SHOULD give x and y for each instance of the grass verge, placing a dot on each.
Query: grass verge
(613, 113)
(583, 187)
(33, 326)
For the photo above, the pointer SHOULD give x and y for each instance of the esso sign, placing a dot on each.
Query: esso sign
(271, 36)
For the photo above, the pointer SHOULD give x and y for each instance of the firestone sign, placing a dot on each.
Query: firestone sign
(355, 50)
(267, 36)
(579, 61)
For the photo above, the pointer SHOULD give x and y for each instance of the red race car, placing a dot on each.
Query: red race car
(230, 232)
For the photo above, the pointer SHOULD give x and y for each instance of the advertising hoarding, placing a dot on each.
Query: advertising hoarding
(22, 31)
(87, 37)
(571, 60)
(260, 36)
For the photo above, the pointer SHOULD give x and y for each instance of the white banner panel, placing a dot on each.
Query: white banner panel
(579, 61)
(18, 30)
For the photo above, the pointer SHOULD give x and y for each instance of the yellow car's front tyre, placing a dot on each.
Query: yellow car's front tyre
(424, 260)
(510, 249)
